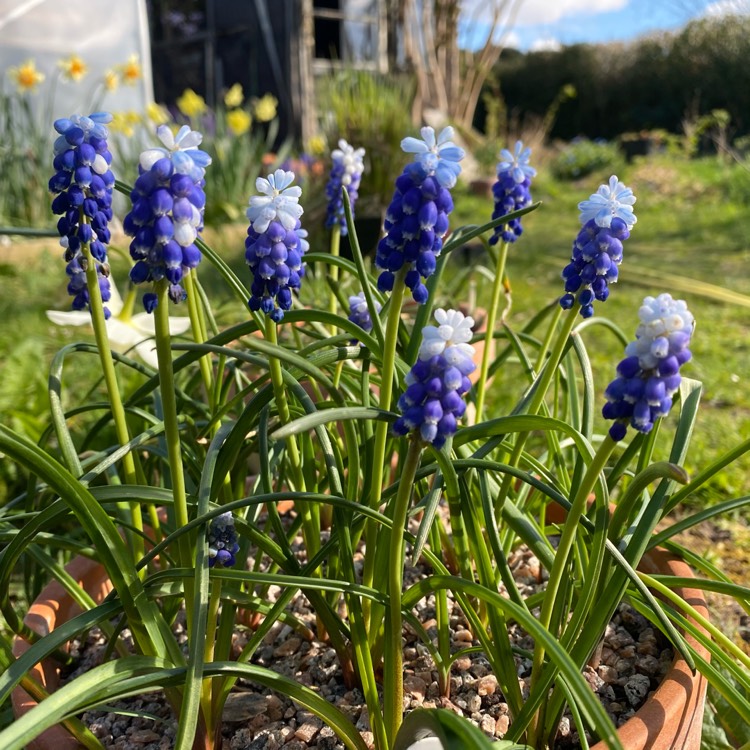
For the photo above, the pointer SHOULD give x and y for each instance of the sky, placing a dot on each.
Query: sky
(549, 24)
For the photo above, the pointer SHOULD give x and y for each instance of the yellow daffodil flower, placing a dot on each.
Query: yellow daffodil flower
(234, 97)
(131, 71)
(26, 76)
(125, 122)
(111, 80)
(239, 121)
(265, 108)
(316, 145)
(73, 68)
(158, 113)
(191, 104)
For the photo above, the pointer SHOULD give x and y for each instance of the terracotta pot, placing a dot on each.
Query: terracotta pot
(670, 719)
(53, 607)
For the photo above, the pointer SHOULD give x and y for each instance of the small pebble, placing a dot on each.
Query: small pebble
(305, 732)
(487, 685)
(631, 663)
(636, 688)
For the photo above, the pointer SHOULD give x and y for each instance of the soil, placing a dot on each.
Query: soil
(632, 661)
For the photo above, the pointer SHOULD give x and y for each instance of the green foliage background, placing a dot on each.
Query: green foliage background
(655, 82)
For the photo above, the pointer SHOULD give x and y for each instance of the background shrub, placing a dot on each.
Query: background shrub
(583, 157)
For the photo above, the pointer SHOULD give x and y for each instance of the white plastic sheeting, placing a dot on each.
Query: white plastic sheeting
(104, 33)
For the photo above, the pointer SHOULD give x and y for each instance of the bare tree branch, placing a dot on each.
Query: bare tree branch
(448, 78)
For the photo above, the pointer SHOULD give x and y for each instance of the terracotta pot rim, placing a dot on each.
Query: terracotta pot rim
(675, 706)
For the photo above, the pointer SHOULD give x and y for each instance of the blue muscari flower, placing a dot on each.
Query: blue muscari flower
(167, 212)
(512, 191)
(222, 541)
(437, 157)
(417, 218)
(346, 172)
(607, 218)
(432, 403)
(359, 313)
(649, 375)
(83, 184)
(275, 244)
(181, 149)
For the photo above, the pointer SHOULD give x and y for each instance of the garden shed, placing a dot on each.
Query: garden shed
(268, 47)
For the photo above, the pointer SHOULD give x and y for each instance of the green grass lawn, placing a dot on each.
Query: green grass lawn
(691, 240)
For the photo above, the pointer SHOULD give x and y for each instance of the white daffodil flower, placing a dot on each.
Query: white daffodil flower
(125, 331)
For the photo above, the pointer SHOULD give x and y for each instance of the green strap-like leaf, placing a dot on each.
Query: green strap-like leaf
(453, 731)
(149, 628)
(588, 703)
(464, 234)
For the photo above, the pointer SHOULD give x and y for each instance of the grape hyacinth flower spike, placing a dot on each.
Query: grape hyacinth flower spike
(512, 191)
(167, 213)
(275, 244)
(607, 218)
(359, 313)
(222, 541)
(649, 375)
(83, 185)
(347, 171)
(433, 400)
(417, 218)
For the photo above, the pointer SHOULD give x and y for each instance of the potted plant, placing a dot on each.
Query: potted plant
(330, 404)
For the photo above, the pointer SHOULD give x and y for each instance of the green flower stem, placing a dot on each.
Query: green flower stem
(333, 268)
(199, 333)
(208, 656)
(461, 551)
(549, 370)
(99, 324)
(128, 304)
(542, 383)
(443, 621)
(490, 329)
(359, 640)
(393, 680)
(171, 425)
(308, 511)
(502, 658)
(567, 539)
(381, 431)
(541, 356)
